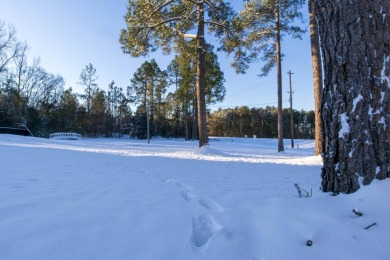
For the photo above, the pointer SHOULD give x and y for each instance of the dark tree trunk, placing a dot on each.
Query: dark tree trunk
(187, 116)
(200, 79)
(151, 104)
(195, 120)
(279, 75)
(317, 79)
(355, 38)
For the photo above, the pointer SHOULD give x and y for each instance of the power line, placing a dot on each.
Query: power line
(252, 105)
(260, 84)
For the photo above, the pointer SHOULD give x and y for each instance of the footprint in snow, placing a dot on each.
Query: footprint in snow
(178, 184)
(211, 205)
(187, 195)
(204, 227)
(172, 181)
(146, 172)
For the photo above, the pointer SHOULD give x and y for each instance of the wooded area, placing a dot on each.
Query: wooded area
(27, 91)
(260, 122)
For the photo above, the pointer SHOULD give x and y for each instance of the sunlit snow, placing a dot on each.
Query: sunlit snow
(344, 125)
(125, 199)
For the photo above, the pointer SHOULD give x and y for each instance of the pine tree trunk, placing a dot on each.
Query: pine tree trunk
(151, 105)
(279, 75)
(187, 122)
(195, 119)
(355, 38)
(200, 79)
(317, 79)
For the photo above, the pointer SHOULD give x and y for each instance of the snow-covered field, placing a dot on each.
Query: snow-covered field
(125, 199)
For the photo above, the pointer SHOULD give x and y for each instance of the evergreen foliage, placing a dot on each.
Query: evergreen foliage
(259, 122)
(155, 24)
(28, 91)
(262, 25)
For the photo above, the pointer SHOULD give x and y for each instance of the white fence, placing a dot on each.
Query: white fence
(65, 136)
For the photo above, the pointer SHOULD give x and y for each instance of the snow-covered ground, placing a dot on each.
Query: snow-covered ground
(125, 199)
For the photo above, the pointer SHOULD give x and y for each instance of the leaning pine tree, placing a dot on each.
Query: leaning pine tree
(355, 42)
(152, 24)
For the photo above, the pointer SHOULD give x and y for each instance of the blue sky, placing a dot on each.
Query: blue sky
(69, 34)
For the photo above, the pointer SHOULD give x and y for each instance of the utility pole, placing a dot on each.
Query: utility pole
(147, 123)
(291, 109)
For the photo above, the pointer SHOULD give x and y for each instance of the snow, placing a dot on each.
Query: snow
(356, 101)
(385, 77)
(125, 199)
(344, 130)
(382, 121)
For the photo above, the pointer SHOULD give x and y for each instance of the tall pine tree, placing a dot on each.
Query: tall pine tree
(154, 24)
(263, 23)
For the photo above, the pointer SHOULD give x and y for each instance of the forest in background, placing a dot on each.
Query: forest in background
(32, 97)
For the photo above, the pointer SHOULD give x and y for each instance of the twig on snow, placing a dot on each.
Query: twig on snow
(373, 224)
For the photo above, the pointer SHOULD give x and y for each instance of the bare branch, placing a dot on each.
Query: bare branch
(192, 36)
(223, 26)
(158, 8)
(214, 9)
(162, 22)
(196, 2)
(185, 20)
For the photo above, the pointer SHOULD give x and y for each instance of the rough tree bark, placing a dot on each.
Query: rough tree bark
(317, 78)
(355, 38)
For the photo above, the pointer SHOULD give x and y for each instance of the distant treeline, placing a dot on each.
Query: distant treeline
(262, 122)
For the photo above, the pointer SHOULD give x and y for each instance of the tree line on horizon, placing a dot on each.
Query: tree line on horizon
(260, 122)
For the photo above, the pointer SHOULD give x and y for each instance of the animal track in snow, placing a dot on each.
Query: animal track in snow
(210, 205)
(187, 195)
(204, 227)
(146, 172)
(179, 184)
